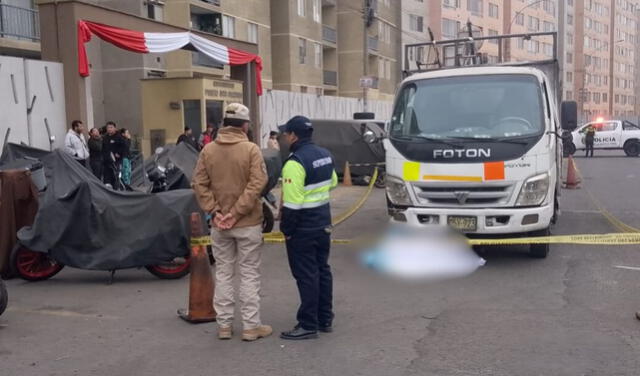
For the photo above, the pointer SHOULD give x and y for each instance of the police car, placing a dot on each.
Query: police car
(610, 134)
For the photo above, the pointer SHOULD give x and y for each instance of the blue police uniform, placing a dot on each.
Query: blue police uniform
(308, 176)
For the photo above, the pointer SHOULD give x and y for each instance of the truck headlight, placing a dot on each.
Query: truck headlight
(397, 191)
(534, 190)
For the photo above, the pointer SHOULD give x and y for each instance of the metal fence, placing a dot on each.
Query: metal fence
(17, 22)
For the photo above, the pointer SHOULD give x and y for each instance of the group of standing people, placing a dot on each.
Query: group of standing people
(207, 137)
(228, 182)
(106, 153)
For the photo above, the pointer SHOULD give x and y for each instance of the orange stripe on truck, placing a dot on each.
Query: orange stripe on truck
(494, 171)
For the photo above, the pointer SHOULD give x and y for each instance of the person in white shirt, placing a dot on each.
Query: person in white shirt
(75, 144)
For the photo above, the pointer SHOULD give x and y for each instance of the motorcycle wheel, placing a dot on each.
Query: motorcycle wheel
(268, 219)
(33, 266)
(170, 270)
(4, 297)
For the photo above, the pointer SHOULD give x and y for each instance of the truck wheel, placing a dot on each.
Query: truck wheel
(539, 250)
(632, 148)
(569, 149)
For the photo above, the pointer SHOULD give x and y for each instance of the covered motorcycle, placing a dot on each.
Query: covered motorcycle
(83, 224)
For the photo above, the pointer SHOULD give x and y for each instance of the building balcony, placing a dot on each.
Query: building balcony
(373, 43)
(212, 2)
(330, 78)
(199, 59)
(19, 23)
(329, 34)
(206, 21)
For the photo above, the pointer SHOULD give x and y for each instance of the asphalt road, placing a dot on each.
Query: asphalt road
(569, 314)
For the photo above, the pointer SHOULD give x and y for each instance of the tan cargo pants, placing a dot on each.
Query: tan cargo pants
(242, 246)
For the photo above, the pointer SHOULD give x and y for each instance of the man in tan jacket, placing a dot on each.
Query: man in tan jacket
(228, 181)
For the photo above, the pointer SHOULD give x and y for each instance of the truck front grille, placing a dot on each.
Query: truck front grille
(463, 194)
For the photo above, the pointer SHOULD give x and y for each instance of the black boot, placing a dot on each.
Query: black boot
(299, 333)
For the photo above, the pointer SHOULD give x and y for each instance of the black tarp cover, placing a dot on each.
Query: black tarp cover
(343, 139)
(86, 225)
(182, 159)
(20, 156)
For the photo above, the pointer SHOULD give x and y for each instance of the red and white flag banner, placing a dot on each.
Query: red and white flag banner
(138, 41)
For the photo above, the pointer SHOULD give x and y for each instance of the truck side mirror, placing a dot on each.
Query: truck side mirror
(569, 115)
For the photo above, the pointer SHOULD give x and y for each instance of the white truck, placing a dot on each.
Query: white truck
(477, 147)
(610, 134)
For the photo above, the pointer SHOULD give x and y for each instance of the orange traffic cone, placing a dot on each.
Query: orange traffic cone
(200, 280)
(572, 181)
(346, 176)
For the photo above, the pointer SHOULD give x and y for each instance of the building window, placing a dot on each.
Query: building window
(303, 89)
(520, 43)
(415, 23)
(318, 55)
(475, 7)
(316, 10)
(569, 19)
(548, 26)
(252, 32)
(569, 77)
(388, 69)
(450, 28)
(493, 33)
(381, 68)
(604, 97)
(569, 57)
(302, 50)
(494, 11)
(228, 27)
(570, 3)
(534, 23)
(301, 8)
(520, 19)
(451, 3)
(155, 11)
(569, 95)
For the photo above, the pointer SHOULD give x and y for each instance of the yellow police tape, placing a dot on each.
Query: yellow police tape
(625, 238)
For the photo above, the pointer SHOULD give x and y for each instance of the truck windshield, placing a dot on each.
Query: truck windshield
(469, 108)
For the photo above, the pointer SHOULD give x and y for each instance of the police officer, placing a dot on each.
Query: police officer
(307, 177)
(590, 134)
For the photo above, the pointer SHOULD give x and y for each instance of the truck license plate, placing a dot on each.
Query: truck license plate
(462, 223)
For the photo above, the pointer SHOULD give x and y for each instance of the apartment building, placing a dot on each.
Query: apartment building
(19, 29)
(623, 58)
(415, 18)
(382, 52)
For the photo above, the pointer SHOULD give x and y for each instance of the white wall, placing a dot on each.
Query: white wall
(13, 107)
(276, 107)
(45, 82)
(20, 81)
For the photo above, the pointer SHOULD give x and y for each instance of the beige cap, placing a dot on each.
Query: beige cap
(237, 111)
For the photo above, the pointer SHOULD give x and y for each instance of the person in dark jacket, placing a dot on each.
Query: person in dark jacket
(112, 149)
(589, 137)
(188, 138)
(307, 178)
(95, 152)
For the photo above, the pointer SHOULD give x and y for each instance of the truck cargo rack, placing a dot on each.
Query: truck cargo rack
(463, 52)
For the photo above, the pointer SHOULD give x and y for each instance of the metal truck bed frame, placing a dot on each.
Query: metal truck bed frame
(461, 53)
(456, 53)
